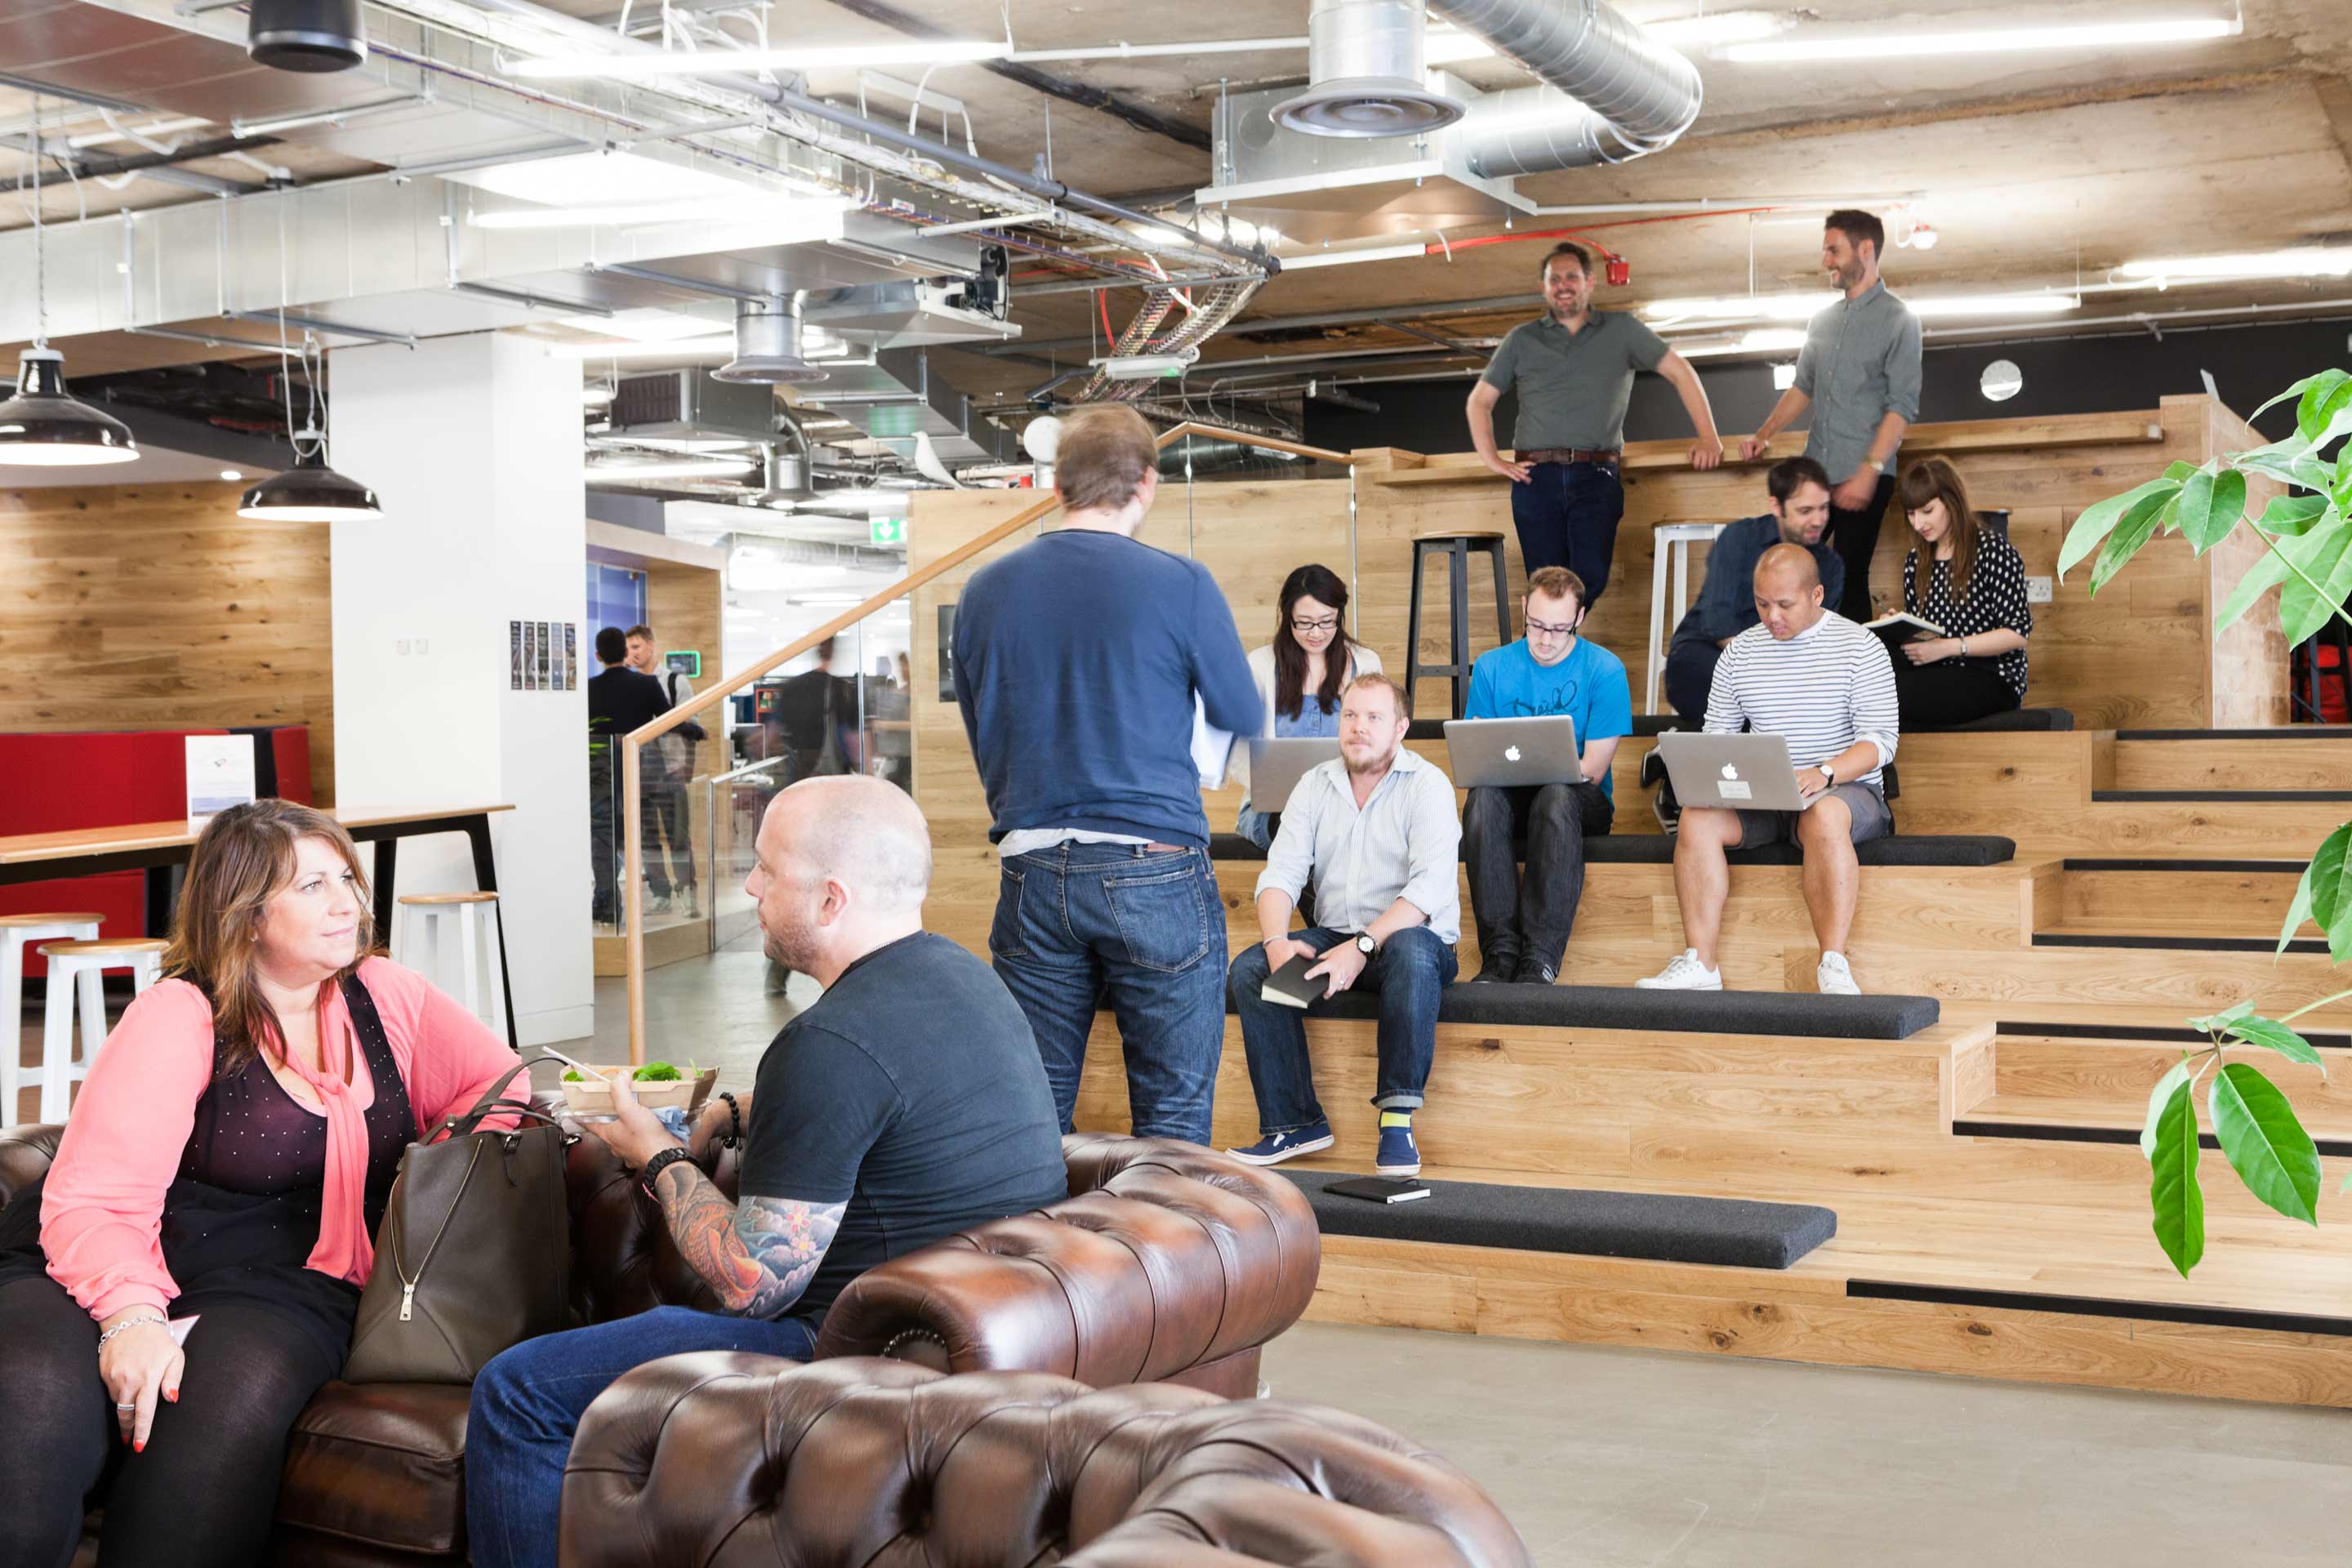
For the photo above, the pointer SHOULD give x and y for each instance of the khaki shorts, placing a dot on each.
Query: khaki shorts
(1863, 803)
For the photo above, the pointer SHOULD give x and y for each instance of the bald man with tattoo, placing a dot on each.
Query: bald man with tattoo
(906, 1103)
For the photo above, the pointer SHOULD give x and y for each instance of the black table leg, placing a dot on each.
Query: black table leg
(387, 861)
(485, 878)
(159, 900)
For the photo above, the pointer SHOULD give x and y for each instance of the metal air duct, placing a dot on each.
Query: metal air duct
(768, 345)
(309, 36)
(1612, 92)
(1364, 61)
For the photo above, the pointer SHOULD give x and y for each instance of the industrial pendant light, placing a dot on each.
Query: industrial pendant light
(44, 425)
(309, 491)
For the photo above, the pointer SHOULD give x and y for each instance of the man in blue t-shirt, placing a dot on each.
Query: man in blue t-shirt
(1524, 920)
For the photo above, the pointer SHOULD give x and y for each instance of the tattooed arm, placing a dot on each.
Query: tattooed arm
(758, 1256)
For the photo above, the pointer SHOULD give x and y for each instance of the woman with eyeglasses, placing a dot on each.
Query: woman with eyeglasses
(1299, 677)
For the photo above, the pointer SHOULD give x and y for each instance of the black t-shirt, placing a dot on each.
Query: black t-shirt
(911, 1092)
(622, 699)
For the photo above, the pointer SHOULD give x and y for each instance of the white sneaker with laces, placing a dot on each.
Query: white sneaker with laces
(1684, 973)
(1835, 977)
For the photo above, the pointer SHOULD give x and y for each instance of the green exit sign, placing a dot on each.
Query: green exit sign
(886, 530)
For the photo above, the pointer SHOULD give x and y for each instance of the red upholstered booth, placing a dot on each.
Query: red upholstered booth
(64, 780)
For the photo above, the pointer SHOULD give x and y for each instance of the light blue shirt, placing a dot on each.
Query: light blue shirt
(1405, 843)
(1588, 685)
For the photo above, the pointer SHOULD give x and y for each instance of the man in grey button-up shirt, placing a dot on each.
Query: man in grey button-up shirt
(1376, 833)
(1859, 372)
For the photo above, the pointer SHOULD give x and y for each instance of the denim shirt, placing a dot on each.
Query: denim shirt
(1860, 362)
(1725, 605)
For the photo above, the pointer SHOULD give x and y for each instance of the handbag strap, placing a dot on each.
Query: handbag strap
(494, 1103)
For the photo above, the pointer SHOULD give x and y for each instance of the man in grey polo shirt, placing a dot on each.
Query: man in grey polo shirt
(1574, 368)
(1859, 372)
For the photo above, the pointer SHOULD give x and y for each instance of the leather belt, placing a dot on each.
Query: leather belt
(1571, 454)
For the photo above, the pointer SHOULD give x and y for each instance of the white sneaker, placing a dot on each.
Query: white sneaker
(1834, 978)
(1684, 973)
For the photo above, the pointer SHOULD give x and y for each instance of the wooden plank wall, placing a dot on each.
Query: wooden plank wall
(2136, 656)
(142, 607)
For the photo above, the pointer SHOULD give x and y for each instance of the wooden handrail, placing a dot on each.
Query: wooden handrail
(632, 860)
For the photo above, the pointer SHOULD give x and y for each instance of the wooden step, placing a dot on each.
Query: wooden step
(2299, 757)
(2178, 896)
(2106, 1082)
(2100, 1119)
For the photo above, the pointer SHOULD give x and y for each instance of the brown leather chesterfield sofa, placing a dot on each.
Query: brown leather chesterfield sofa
(1168, 1262)
(736, 1460)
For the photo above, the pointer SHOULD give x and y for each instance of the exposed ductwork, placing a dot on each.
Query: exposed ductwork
(1611, 91)
(768, 344)
(1364, 62)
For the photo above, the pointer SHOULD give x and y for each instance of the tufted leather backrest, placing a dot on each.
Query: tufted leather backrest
(1166, 1257)
(742, 1459)
(24, 1156)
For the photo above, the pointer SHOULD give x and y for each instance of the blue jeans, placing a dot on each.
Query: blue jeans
(1567, 515)
(1145, 929)
(1411, 972)
(529, 1401)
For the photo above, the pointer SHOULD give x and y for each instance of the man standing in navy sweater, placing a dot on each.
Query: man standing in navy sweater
(1077, 660)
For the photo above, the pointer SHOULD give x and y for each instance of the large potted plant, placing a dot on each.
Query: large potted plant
(2307, 556)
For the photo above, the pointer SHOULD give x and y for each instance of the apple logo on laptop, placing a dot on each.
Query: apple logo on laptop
(1510, 753)
(1729, 772)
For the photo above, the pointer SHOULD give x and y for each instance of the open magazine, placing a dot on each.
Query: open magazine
(1900, 626)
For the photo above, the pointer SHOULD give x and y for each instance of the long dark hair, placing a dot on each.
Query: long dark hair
(1934, 479)
(1321, 584)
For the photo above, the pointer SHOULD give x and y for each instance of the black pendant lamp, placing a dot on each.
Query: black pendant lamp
(311, 491)
(44, 425)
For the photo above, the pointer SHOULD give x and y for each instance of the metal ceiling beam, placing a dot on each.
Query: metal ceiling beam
(1372, 316)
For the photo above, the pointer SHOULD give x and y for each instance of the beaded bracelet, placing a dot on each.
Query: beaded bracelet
(735, 1130)
(127, 1323)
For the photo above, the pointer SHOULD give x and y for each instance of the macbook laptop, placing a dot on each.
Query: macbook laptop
(1741, 772)
(1278, 766)
(1511, 752)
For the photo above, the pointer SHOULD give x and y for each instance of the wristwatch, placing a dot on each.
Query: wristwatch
(1365, 944)
(1826, 772)
(656, 1165)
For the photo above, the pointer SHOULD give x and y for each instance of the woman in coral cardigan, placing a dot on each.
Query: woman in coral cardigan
(203, 1234)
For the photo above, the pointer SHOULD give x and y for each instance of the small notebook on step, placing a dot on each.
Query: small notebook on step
(1380, 1189)
(1289, 986)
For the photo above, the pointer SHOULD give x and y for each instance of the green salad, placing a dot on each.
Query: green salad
(652, 1072)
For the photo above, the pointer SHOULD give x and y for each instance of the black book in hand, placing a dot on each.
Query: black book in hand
(1289, 986)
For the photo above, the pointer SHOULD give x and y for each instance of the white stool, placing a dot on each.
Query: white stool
(476, 917)
(76, 970)
(1675, 537)
(17, 934)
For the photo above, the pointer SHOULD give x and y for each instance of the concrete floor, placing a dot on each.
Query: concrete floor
(1611, 1458)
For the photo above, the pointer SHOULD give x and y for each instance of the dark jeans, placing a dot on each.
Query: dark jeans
(204, 1491)
(1528, 915)
(1411, 972)
(1567, 515)
(1939, 696)
(1855, 536)
(528, 1404)
(663, 804)
(1146, 929)
(1689, 675)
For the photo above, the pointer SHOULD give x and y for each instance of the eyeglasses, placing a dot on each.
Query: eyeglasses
(1537, 627)
(1305, 628)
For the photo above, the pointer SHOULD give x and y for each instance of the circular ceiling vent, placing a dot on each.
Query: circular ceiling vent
(311, 35)
(1367, 107)
(768, 347)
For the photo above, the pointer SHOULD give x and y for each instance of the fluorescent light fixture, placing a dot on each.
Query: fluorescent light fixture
(793, 57)
(746, 207)
(1145, 367)
(1952, 306)
(1725, 27)
(2308, 261)
(697, 468)
(232, 475)
(595, 396)
(1444, 46)
(680, 348)
(1757, 339)
(1897, 43)
(1741, 307)
(604, 179)
(648, 326)
(1342, 257)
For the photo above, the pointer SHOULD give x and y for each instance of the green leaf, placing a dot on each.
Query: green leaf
(2099, 519)
(2337, 424)
(2211, 505)
(2291, 460)
(2292, 514)
(2323, 556)
(2158, 1099)
(2138, 527)
(2299, 911)
(2179, 470)
(2297, 390)
(2330, 875)
(2328, 394)
(2274, 1035)
(2264, 1144)
(2173, 1193)
(2222, 1019)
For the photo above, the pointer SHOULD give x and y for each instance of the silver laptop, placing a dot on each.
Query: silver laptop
(1740, 773)
(1278, 766)
(1510, 752)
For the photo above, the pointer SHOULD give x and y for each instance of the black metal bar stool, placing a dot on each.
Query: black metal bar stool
(1457, 548)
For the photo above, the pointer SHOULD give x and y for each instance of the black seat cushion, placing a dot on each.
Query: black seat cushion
(1658, 849)
(1646, 724)
(1664, 1227)
(1784, 1013)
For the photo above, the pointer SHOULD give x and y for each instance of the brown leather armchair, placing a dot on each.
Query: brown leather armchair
(742, 1460)
(1168, 1261)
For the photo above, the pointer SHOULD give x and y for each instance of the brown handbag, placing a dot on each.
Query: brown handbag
(474, 1253)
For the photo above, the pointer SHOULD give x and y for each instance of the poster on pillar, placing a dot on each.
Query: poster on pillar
(559, 644)
(544, 683)
(571, 655)
(531, 656)
(514, 656)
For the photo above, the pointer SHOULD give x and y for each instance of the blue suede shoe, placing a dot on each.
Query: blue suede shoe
(1399, 1155)
(1275, 1147)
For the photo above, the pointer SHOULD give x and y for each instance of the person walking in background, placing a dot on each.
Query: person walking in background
(1525, 919)
(1972, 585)
(669, 830)
(620, 699)
(1572, 368)
(1299, 677)
(1859, 374)
(813, 705)
(1080, 660)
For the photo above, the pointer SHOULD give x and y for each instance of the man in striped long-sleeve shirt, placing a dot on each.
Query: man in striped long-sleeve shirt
(1805, 672)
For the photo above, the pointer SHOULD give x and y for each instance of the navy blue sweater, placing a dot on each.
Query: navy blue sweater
(1077, 658)
(1725, 605)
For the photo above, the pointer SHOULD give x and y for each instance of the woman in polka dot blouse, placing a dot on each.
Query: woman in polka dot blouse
(1969, 581)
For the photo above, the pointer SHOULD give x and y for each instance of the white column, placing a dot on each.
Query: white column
(473, 444)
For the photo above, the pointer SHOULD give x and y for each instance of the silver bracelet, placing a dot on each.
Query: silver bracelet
(129, 1324)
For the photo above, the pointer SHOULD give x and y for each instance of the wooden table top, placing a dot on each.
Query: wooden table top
(26, 847)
